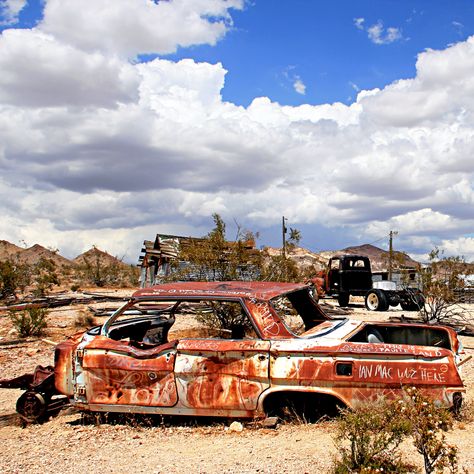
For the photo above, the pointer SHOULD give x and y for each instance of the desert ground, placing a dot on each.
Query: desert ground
(69, 443)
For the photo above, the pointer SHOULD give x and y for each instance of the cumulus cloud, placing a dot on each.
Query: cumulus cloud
(97, 149)
(9, 11)
(132, 27)
(40, 71)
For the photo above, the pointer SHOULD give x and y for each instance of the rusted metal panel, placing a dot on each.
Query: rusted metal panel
(230, 375)
(63, 366)
(238, 289)
(267, 321)
(114, 374)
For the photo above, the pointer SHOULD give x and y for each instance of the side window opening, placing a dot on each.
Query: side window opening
(212, 319)
(148, 324)
(417, 336)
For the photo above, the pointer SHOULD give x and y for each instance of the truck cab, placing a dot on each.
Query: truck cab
(348, 275)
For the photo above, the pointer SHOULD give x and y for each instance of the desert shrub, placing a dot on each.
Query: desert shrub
(75, 287)
(100, 271)
(84, 320)
(29, 322)
(374, 432)
(224, 315)
(214, 258)
(440, 280)
(428, 422)
(466, 412)
(14, 276)
(45, 276)
(368, 438)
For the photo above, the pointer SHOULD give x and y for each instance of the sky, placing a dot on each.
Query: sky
(120, 119)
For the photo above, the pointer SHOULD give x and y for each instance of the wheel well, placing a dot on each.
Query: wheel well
(308, 406)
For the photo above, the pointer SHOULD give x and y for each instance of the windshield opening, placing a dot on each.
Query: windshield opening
(299, 311)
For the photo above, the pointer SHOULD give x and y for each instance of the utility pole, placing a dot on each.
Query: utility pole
(390, 253)
(283, 231)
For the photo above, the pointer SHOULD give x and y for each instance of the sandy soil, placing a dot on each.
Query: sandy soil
(70, 444)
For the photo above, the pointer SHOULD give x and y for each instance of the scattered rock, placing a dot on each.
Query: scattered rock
(236, 427)
(270, 422)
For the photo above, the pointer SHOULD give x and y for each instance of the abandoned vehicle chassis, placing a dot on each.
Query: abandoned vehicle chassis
(117, 367)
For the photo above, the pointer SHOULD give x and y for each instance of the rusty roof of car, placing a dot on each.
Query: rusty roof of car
(262, 290)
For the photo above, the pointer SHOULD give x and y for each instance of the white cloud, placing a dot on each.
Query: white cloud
(299, 86)
(359, 23)
(377, 33)
(94, 149)
(38, 70)
(132, 27)
(464, 246)
(458, 26)
(354, 86)
(9, 11)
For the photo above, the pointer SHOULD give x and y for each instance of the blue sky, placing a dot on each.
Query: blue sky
(275, 41)
(125, 118)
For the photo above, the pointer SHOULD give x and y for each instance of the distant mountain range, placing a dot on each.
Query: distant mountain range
(34, 254)
(303, 257)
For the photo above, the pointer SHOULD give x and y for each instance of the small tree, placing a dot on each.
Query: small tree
(279, 268)
(14, 276)
(215, 258)
(439, 281)
(294, 238)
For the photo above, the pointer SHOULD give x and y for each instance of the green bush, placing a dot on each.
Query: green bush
(29, 322)
(14, 276)
(368, 438)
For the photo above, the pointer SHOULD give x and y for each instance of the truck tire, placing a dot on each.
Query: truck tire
(343, 299)
(376, 300)
(413, 305)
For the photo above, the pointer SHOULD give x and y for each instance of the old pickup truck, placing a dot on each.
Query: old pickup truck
(238, 349)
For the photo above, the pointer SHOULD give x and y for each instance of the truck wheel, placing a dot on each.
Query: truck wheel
(343, 299)
(413, 305)
(376, 300)
(32, 407)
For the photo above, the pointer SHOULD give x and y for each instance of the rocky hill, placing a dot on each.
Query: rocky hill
(378, 257)
(95, 255)
(8, 250)
(34, 254)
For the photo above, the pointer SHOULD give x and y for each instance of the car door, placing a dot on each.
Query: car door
(112, 372)
(221, 374)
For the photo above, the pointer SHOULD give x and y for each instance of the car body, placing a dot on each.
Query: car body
(241, 349)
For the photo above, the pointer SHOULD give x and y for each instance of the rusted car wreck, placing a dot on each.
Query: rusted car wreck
(238, 349)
